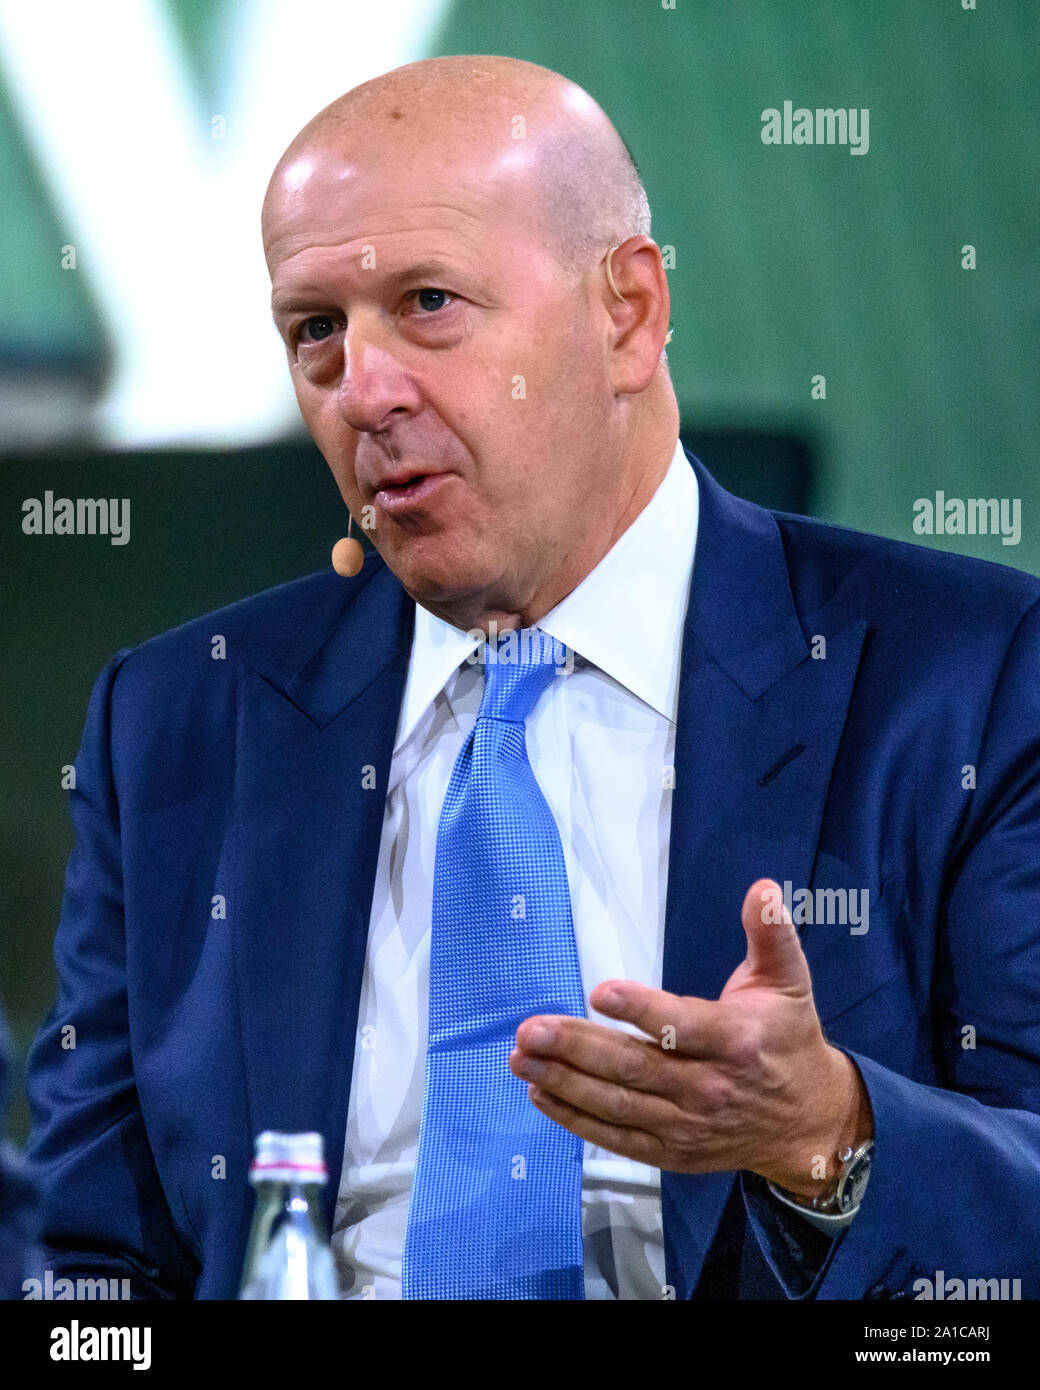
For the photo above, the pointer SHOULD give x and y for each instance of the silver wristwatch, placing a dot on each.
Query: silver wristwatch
(836, 1210)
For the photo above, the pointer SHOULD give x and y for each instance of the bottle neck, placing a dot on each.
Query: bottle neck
(288, 1255)
(274, 1192)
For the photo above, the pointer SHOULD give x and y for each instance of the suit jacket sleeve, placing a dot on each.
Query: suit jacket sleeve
(18, 1200)
(955, 1177)
(104, 1210)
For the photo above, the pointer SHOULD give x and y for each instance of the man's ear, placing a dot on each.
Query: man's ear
(640, 316)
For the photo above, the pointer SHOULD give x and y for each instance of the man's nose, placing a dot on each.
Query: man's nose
(374, 381)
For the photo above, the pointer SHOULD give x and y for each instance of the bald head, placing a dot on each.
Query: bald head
(531, 131)
(496, 409)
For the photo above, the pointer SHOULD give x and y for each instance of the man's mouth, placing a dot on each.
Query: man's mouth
(410, 491)
(401, 479)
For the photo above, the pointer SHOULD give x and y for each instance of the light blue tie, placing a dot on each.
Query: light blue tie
(496, 1201)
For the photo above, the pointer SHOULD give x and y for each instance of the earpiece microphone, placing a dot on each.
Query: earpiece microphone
(610, 281)
(348, 554)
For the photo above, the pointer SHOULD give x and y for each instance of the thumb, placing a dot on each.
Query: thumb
(774, 954)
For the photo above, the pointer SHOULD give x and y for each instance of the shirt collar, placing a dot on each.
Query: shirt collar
(625, 617)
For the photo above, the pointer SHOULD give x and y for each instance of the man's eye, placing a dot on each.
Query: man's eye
(316, 329)
(320, 327)
(438, 297)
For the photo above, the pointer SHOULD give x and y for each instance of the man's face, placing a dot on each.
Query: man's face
(430, 333)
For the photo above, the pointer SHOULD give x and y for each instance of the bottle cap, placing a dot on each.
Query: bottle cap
(288, 1158)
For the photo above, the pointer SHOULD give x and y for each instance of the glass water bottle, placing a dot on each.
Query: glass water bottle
(288, 1256)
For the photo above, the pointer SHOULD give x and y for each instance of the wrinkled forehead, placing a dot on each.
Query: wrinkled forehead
(327, 197)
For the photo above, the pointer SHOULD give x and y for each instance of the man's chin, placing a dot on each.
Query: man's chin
(432, 577)
(460, 598)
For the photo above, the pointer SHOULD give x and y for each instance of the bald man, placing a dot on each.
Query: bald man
(514, 944)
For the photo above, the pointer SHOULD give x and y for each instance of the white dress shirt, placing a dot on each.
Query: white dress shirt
(601, 743)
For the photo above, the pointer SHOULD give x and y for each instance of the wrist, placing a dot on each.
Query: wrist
(837, 1208)
(811, 1172)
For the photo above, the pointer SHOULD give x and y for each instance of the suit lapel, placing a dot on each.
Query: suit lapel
(757, 734)
(312, 763)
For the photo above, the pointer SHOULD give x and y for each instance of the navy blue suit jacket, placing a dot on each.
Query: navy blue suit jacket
(243, 780)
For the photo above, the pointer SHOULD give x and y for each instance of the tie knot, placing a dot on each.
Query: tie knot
(517, 668)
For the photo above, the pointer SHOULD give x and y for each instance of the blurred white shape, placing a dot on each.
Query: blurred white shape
(287, 60)
(164, 217)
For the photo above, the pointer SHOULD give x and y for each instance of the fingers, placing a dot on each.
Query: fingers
(613, 1058)
(690, 1026)
(636, 1144)
(603, 1073)
(774, 954)
(619, 1107)
(697, 1089)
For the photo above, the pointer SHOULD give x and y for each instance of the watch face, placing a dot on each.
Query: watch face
(854, 1181)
